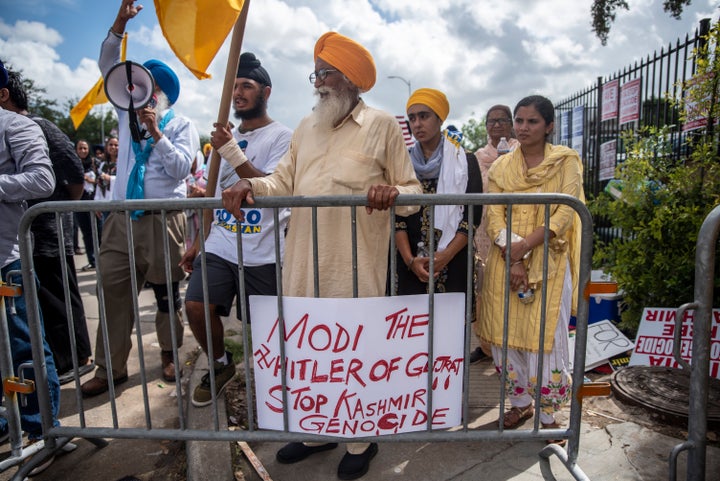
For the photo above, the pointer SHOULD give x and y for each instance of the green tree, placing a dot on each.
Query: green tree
(603, 14)
(474, 134)
(38, 103)
(95, 128)
(663, 203)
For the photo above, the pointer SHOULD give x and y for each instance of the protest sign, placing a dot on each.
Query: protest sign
(359, 367)
(655, 339)
(608, 159)
(604, 341)
(610, 100)
(630, 101)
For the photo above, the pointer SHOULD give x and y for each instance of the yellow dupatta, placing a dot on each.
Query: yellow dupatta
(513, 176)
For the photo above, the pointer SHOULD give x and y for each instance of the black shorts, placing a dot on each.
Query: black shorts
(224, 285)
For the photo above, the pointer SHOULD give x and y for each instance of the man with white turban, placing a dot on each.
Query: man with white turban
(343, 147)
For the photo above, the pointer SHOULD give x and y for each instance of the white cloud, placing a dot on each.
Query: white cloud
(479, 53)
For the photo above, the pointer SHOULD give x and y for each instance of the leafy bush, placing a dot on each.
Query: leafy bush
(662, 205)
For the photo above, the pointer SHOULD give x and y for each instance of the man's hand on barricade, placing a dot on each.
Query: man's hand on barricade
(381, 197)
(187, 259)
(233, 198)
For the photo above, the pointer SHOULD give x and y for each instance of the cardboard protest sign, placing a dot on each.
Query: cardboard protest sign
(604, 341)
(655, 339)
(359, 367)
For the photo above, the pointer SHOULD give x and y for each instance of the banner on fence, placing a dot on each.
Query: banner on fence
(359, 367)
(630, 101)
(655, 339)
(695, 117)
(608, 156)
(565, 128)
(578, 128)
(610, 100)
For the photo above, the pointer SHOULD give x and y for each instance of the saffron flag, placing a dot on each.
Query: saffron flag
(95, 96)
(196, 29)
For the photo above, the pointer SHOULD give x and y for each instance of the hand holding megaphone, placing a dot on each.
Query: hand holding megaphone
(130, 86)
(147, 116)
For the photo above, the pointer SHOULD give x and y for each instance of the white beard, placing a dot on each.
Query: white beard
(330, 110)
(163, 102)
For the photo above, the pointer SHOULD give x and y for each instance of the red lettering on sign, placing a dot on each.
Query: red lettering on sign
(406, 326)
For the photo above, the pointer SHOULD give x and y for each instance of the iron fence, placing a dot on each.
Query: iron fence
(594, 119)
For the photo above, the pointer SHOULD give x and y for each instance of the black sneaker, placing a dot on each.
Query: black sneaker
(477, 355)
(202, 395)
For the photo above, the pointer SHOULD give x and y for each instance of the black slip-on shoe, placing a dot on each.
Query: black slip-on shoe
(354, 466)
(294, 452)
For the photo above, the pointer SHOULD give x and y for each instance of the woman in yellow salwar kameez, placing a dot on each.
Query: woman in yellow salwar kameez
(535, 167)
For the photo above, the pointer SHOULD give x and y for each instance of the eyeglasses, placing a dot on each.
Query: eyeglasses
(492, 122)
(321, 74)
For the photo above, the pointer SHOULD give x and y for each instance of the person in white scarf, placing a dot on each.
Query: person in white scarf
(443, 167)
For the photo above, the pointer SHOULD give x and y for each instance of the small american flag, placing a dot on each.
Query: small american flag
(405, 126)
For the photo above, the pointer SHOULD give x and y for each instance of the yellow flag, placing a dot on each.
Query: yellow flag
(95, 96)
(196, 29)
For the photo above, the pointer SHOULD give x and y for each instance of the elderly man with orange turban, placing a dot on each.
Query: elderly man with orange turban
(343, 147)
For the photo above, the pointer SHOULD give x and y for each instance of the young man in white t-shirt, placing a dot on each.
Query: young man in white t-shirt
(253, 149)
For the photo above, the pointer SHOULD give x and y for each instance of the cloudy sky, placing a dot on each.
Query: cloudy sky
(479, 52)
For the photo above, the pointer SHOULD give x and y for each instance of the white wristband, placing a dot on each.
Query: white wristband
(232, 152)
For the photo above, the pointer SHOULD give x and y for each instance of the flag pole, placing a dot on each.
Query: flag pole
(224, 109)
(226, 98)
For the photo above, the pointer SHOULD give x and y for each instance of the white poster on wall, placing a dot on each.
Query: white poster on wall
(359, 367)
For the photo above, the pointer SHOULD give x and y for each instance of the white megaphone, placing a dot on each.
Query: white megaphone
(129, 86)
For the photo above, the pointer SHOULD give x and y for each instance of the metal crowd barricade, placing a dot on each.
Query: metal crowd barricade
(355, 206)
(700, 368)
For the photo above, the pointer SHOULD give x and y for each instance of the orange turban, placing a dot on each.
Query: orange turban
(349, 57)
(434, 99)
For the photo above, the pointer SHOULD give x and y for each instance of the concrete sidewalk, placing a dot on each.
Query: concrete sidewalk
(616, 443)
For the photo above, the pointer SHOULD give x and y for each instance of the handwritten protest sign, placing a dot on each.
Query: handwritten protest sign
(359, 367)
(604, 341)
(655, 339)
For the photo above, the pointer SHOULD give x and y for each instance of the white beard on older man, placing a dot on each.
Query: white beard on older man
(332, 108)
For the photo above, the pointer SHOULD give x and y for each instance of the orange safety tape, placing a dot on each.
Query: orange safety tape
(14, 385)
(7, 290)
(594, 389)
(600, 288)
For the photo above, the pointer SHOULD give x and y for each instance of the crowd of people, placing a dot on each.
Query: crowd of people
(344, 146)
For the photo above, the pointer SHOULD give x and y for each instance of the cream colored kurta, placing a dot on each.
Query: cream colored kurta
(365, 150)
(560, 172)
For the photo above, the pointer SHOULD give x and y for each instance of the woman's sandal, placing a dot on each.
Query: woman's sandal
(515, 416)
(554, 425)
